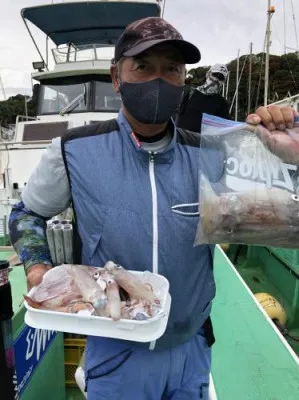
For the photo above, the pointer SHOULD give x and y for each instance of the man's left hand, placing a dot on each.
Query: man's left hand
(275, 126)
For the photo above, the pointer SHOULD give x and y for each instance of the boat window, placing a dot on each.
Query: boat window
(55, 98)
(43, 131)
(105, 97)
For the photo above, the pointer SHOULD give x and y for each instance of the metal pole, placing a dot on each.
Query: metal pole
(249, 81)
(163, 10)
(284, 28)
(227, 85)
(47, 49)
(237, 86)
(2, 88)
(8, 381)
(270, 11)
(68, 243)
(34, 42)
(26, 108)
(51, 243)
(58, 240)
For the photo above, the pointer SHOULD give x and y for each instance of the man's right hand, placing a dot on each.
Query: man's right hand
(35, 274)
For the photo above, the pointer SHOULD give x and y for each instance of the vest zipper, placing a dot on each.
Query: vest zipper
(155, 210)
(155, 220)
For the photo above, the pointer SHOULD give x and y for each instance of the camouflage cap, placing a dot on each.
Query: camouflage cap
(148, 32)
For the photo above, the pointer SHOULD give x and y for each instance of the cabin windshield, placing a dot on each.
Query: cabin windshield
(96, 95)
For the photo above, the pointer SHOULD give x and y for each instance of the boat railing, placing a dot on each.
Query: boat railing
(22, 118)
(28, 145)
(25, 142)
(71, 53)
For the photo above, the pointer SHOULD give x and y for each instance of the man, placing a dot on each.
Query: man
(215, 79)
(204, 99)
(127, 180)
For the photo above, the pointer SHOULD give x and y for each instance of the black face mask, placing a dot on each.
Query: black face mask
(152, 102)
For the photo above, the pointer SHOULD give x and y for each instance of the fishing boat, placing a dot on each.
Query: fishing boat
(252, 358)
(77, 90)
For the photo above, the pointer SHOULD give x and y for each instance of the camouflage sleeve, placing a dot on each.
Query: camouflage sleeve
(28, 236)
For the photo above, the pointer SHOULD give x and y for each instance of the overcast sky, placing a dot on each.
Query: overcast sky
(218, 27)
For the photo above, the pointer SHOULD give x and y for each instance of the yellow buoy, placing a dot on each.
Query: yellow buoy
(272, 307)
(224, 246)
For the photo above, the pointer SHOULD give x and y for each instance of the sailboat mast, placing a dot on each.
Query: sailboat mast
(249, 81)
(270, 11)
(284, 28)
(237, 87)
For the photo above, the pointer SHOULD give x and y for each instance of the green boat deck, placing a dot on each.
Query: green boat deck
(251, 359)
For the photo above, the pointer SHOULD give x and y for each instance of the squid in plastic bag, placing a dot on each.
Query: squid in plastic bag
(249, 189)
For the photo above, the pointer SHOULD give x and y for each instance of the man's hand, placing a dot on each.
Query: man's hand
(35, 274)
(275, 126)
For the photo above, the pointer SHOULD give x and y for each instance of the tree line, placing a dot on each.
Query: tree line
(15, 105)
(283, 79)
(283, 82)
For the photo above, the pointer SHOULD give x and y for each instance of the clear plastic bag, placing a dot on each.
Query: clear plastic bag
(247, 193)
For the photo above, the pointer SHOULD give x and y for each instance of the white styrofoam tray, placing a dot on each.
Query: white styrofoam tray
(84, 324)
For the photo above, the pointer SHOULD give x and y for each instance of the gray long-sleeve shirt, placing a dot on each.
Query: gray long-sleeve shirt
(47, 192)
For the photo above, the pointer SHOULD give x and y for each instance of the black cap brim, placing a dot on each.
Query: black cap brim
(190, 53)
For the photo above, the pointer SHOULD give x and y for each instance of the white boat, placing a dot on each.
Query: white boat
(77, 90)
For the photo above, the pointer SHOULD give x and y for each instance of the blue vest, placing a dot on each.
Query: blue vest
(140, 210)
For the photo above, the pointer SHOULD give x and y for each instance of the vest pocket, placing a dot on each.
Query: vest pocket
(187, 209)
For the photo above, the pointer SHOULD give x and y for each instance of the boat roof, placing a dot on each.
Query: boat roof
(88, 22)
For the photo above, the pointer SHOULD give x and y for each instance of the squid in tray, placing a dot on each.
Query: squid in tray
(68, 288)
(111, 292)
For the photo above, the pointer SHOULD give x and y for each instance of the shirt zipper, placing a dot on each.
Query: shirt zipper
(155, 220)
(155, 210)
